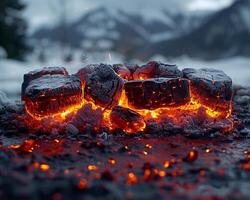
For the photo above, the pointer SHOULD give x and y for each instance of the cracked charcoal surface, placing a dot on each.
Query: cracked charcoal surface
(126, 71)
(50, 86)
(156, 93)
(85, 71)
(41, 72)
(124, 118)
(214, 86)
(122, 71)
(52, 93)
(155, 69)
(103, 86)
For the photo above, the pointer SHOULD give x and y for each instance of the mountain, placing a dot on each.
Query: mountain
(105, 29)
(224, 34)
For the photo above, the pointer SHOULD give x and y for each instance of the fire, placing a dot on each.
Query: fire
(193, 107)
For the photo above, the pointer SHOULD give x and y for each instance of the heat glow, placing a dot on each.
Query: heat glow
(191, 108)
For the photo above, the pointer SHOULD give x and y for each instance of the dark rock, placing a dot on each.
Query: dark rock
(41, 72)
(126, 119)
(103, 86)
(52, 94)
(212, 87)
(156, 93)
(155, 69)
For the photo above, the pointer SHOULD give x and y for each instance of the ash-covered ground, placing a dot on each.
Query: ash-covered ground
(172, 165)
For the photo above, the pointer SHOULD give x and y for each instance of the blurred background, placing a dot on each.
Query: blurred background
(72, 33)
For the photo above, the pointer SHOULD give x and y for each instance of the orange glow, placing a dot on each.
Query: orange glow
(92, 167)
(131, 178)
(192, 156)
(208, 150)
(162, 173)
(167, 164)
(15, 146)
(246, 166)
(149, 146)
(82, 184)
(192, 108)
(111, 161)
(44, 167)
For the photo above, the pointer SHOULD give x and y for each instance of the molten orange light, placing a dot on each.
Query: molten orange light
(131, 178)
(44, 167)
(92, 167)
(174, 113)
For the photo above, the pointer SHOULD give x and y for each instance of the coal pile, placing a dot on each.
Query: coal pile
(117, 141)
(158, 93)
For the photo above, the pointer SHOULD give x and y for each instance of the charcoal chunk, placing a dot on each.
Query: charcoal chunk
(155, 69)
(51, 94)
(41, 72)
(85, 71)
(127, 119)
(212, 87)
(86, 117)
(157, 93)
(103, 86)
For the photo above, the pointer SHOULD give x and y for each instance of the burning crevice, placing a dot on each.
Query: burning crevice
(118, 97)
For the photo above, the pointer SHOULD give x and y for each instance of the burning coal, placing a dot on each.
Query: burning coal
(129, 98)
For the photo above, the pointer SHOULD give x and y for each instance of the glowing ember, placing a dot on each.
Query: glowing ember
(131, 107)
(52, 94)
(149, 146)
(131, 178)
(208, 150)
(192, 156)
(111, 161)
(92, 167)
(167, 164)
(44, 167)
(82, 184)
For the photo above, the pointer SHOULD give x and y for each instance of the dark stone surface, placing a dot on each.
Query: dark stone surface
(213, 87)
(103, 86)
(155, 69)
(156, 93)
(52, 93)
(41, 72)
(126, 119)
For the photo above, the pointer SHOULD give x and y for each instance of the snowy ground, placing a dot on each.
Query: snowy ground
(12, 71)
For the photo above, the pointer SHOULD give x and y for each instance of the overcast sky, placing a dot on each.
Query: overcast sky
(41, 12)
